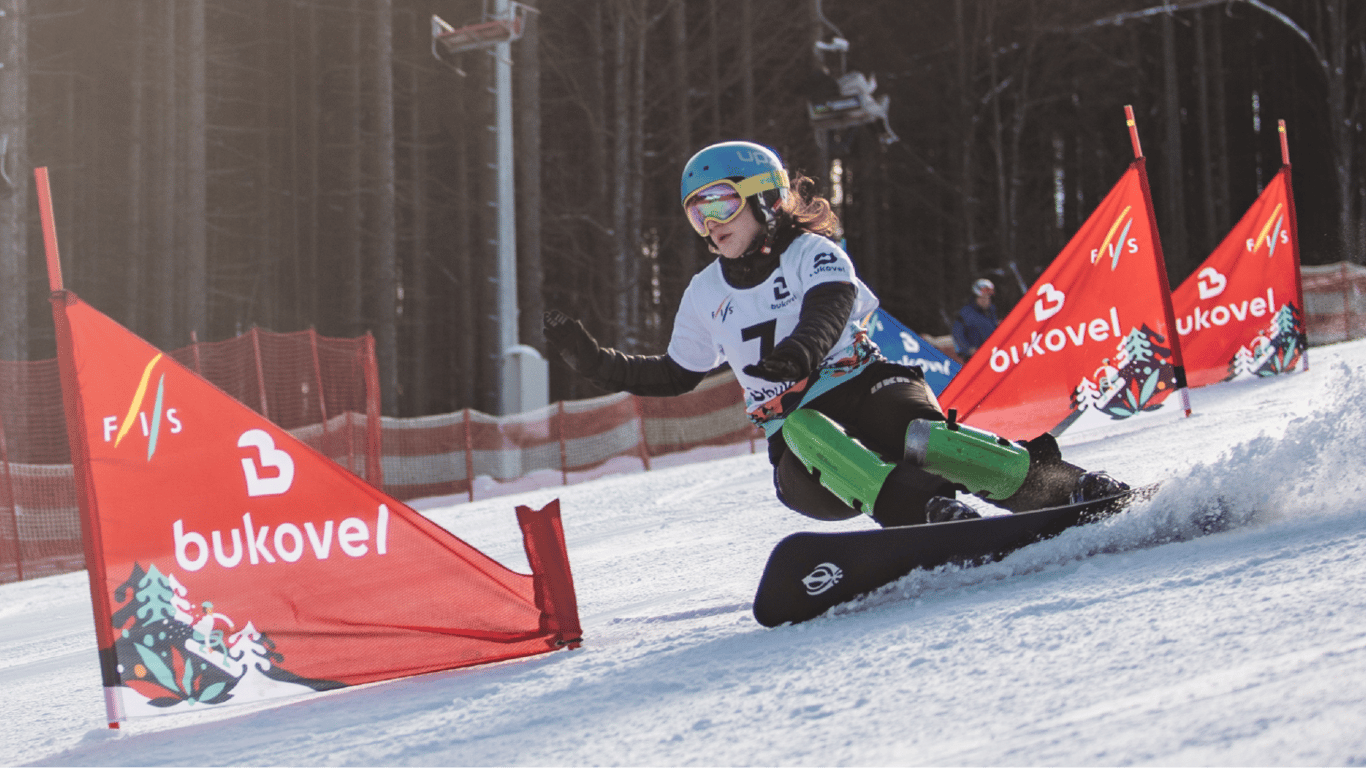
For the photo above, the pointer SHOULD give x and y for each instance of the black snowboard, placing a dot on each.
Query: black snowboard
(809, 573)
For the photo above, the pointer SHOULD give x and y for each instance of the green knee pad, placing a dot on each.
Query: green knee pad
(991, 467)
(842, 464)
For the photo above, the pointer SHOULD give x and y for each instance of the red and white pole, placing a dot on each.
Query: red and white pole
(54, 263)
(1133, 130)
(1178, 359)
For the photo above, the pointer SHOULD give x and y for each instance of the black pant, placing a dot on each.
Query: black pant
(874, 407)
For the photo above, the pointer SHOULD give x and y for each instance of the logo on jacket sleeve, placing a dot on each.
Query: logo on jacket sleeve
(827, 262)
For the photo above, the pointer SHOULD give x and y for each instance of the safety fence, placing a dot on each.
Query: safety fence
(475, 455)
(1334, 302)
(323, 389)
(325, 392)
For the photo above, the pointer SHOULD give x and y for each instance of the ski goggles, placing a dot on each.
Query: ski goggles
(723, 200)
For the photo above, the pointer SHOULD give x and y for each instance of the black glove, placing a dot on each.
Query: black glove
(572, 341)
(784, 363)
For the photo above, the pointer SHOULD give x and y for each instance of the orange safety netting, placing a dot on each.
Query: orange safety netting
(566, 442)
(325, 392)
(40, 530)
(1334, 302)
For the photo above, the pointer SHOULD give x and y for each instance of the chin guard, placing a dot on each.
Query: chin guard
(987, 465)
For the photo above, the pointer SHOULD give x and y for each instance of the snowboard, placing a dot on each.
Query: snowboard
(809, 573)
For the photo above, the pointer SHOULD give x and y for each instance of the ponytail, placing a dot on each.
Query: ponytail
(806, 211)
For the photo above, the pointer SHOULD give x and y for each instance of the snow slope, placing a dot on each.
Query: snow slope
(1134, 641)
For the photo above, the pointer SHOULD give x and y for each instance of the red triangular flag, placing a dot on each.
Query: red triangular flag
(1241, 313)
(230, 562)
(1091, 342)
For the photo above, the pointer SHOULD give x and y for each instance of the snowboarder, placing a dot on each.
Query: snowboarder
(848, 431)
(976, 321)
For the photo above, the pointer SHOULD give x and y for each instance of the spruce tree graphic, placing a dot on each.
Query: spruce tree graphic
(1287, 339)
(1086, 395)
(1147, 372)
(251, 648)
(1243, 362)
(150, 645)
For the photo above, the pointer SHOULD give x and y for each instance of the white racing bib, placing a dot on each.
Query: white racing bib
(718, 323)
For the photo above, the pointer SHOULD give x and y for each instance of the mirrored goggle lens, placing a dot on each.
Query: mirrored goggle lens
(720, 202)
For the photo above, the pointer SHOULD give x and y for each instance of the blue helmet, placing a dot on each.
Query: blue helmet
(756, 169)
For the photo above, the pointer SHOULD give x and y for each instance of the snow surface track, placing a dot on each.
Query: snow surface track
(1143, 639)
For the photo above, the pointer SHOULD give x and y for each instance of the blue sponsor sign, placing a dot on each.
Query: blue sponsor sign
(902, 345)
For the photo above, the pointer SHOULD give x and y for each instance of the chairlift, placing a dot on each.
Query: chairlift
(490, 31)
(855, 104)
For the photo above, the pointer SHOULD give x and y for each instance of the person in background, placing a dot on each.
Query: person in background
(976, 321)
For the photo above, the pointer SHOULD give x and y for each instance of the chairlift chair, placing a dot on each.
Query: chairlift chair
(481, 35)
(855, 105)
(491, 31)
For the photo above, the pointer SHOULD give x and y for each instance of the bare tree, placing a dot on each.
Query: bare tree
(349, 188)
(193, 204)
(134, 266)
(14, 184)
(527, 90)
(1173, 228)
(162, 272)
(385, 234)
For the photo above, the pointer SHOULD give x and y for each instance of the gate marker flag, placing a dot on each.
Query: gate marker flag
(903, 345)
(1094, 339)
(230, 562)
(1227, 312)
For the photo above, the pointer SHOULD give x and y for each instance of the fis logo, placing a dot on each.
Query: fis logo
(1271, 234)
(724, 310)
(151, 423)
(1113, 245)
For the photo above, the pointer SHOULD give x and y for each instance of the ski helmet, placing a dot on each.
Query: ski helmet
(755, 170)
(983, 286)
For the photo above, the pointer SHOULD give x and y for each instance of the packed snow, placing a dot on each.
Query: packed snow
(1141, 640)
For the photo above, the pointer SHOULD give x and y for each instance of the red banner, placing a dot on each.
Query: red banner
(230, 562)
(1241, 313)
(1092, 341)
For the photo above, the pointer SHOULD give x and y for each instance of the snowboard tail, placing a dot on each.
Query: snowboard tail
(810, 573)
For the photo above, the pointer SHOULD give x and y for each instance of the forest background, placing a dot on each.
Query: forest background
(219, 165)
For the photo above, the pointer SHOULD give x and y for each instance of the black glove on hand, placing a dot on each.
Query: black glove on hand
(782, 364)
(572, 341)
